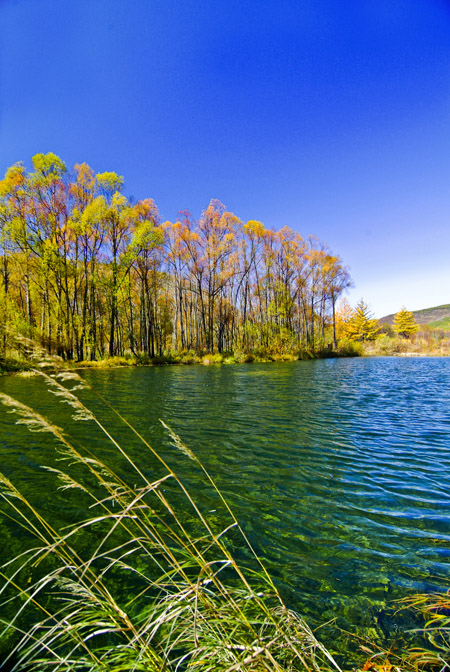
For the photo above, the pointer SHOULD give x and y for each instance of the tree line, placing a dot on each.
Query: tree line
(87, 272)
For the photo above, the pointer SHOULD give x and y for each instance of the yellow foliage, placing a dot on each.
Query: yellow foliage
(254, 228)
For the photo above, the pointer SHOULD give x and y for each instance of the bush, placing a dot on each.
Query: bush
(212, 359)
(190, 357)
(350, 349)
(387, 345)
(13, 364)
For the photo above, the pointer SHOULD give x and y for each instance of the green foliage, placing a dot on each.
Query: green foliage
(14, 364)
(387, 345)
(109, 182)
(212, 359)
(189, 357)
(94, 213)
(443, 323)
(145, 236)
(404, 323)
(244, 357)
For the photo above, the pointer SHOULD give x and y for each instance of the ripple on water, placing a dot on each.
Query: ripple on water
(339, 470)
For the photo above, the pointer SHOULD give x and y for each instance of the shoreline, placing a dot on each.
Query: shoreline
(105, 365)
(23, 366)
(26, 366)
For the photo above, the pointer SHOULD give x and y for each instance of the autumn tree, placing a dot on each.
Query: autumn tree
(116, 225)
(361, 325)
(213, 263)
(337, 281)
(404, 323)
(177, 256)
(12, 209)
(89, 273)
(344, 313)
(146, 238)
(87, 228)
(253, 315)
(14, 196)
(313, 294)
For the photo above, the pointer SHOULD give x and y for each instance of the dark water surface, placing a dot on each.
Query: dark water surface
(339, 470)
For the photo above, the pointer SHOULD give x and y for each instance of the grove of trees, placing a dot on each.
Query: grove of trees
(88, 273)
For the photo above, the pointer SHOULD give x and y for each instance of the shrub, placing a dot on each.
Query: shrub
(190, 357)
(212, 359)
(13, 364)
(350, 349)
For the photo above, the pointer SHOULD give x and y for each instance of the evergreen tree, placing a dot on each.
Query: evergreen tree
(361, 325)
(404, 323)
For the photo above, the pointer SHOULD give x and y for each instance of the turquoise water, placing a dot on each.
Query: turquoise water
(338, 470)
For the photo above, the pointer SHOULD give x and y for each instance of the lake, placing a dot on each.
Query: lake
(338, 470)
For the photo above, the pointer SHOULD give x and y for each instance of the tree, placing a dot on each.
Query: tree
(337, 280)
(145, 239)
(343, 315)
(86, 221)
(84, 270)
(117, 235)
(362, 326)
(404, 323)
(212, 249)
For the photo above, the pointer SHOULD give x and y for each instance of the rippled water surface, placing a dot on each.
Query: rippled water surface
(339, 470)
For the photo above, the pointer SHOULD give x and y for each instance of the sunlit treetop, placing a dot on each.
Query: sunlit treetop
(254, 229)
(15, 178)
(109, 182)
(49, 165)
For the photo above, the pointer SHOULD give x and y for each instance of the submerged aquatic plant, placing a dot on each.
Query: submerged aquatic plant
(147, 581)
(434, 608)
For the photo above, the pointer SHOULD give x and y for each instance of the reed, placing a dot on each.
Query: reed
(147, 580)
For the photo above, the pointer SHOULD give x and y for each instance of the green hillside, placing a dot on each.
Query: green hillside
(437, 317)
(441, 324)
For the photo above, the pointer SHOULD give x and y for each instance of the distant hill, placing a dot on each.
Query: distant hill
(438, 317)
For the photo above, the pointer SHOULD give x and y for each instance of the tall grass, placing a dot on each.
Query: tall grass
(147, 580)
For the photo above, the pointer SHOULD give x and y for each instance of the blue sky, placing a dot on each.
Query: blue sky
(330, 116)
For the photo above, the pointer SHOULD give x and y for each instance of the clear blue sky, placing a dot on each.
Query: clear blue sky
(330, 116)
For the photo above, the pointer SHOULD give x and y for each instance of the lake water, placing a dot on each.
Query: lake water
(338, 470)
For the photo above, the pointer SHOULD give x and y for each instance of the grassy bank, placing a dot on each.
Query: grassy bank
(24, 357)
(206, 359)
(22, 361)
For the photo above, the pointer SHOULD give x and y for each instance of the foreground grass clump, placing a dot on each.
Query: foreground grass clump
(146, 581)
